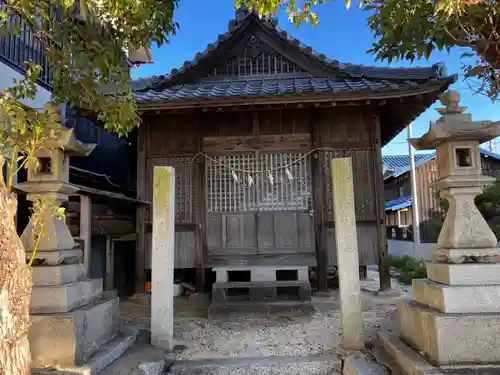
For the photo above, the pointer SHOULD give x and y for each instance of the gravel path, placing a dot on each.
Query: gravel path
(252, 335)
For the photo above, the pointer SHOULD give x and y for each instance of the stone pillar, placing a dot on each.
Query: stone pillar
(162, 273)
(454, 317)
(347, 253)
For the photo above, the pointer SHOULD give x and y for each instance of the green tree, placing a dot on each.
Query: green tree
(414, 29)
(86, 43)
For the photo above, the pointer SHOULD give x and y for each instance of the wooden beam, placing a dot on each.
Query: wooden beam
(266, 142)
(383, 261)
(319, 202)
(141, 213)
(86, 230)
(200, 218)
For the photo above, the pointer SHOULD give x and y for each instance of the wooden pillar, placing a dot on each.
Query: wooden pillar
(319, 202)
(347, 253)
(162, 272)
(200, 214)
(383, 261)
(141, 212)
(86, 230)
(109, 281)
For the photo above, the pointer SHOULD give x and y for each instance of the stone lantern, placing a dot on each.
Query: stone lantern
(51, 180)
(72, 318)
(454, 317)
(456, 138)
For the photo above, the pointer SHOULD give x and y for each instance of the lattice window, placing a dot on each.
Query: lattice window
(255, 60)
(225, 194)
(185, 195)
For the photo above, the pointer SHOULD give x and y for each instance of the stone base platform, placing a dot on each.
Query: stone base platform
(392, 351)
(105, 356)
(260, 291)
(71, 339)
(227, 308)
(452, 338)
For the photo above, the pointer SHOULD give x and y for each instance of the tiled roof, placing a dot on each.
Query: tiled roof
(394, 162)
(273, 86)
(398, 204)
(343, 77)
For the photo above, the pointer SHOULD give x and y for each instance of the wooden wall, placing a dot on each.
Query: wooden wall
(337, 131)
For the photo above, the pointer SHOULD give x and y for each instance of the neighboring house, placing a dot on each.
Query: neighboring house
(398, 196)
(251, 126)
(107, 176)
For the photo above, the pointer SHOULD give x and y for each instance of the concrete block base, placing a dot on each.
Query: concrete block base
(105, 356)
(64, 298)
(261, 291)
(404, 360)
(54, 258)
(446, 339)
(465, 273)
(223, 309)
(57, 275)
(71, 339)
(457, 299)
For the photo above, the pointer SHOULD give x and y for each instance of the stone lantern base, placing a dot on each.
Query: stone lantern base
(452, 323)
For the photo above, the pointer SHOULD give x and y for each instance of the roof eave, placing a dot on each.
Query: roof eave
(436, 86)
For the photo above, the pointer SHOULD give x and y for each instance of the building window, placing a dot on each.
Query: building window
(401, 191)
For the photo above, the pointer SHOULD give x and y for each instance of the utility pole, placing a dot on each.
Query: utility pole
(414, 194)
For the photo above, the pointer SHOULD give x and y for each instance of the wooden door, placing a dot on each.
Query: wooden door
(259, 209)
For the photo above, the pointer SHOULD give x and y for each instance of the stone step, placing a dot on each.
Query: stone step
(446, 339)
(70, 339)
(218, 309)
(311, 365)
(260, 273)
(457, 299)
(261, 290)
(104, 357)
(66, 297)
(464, 274)
(46, 275)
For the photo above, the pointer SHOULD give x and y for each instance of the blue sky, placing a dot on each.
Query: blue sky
(342, 35)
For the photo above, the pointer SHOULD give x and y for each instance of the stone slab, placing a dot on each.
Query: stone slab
(403, 360)
(218, 309)
(71, 339)
(64, 298)
(457, 299)
(274, 365)
(446, 339)
(105, 356)
(260, 290)
(57, 275)
(461, 255)
(464, 274)
(359, 366)
(53, 258)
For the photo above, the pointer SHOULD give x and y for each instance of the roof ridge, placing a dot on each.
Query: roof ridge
(242, 15)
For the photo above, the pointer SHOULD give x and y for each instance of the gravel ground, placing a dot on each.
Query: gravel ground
(252, 335)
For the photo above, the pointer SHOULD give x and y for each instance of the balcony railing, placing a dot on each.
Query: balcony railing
(16, 49)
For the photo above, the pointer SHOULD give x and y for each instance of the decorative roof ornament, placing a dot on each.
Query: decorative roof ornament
(455, 125)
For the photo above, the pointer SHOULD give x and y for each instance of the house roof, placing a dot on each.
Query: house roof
(397, 165)
(398, 204)
(319, 79)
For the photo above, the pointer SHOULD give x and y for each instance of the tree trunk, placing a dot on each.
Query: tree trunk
(15, 290)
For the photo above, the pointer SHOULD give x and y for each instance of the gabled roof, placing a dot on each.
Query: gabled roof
(320, 78)
(398, 204)
(398, 165)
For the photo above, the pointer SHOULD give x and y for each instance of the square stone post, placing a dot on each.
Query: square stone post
(347, 253)
(162, 275)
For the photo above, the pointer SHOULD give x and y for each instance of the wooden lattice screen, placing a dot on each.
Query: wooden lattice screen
(255, 60)
(185, 195)
(284, 193)
(363, 182)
